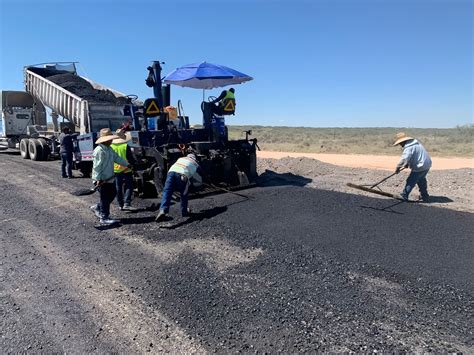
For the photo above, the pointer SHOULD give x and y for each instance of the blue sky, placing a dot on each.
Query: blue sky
(320, 63)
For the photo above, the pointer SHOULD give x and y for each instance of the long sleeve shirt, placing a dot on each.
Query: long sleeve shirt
(415, 157)
(221, 97)
(66, 143)
(104, 158)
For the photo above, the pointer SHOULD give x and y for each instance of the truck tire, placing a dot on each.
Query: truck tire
(34, 147)
(24, 152)
(45, 148)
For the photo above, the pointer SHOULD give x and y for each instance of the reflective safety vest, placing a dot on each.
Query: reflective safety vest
(228, 102)
(121, 150)
(185, 166)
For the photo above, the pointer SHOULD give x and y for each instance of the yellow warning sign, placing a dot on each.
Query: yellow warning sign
(230, 106)
(152, 108)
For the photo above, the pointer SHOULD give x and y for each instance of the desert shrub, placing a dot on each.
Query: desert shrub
(444, 142)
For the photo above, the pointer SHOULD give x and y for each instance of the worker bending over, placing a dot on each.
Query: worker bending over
(179, 179)
(103, 175)
(418, 160)
(123, 175)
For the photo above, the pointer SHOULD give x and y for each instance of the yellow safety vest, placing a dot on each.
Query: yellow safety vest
(228, 102)
(121, 150)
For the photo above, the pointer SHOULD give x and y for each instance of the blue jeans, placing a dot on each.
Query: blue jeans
(124, 181)
(175, 183)
(107, 194)
(416, 178)
(66, 158)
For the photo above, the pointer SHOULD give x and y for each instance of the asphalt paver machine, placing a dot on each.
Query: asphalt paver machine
(162, 136)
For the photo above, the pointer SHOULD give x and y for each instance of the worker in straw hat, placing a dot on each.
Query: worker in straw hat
(179, 179)
(103, 175)
(416, 158)
(123, 174)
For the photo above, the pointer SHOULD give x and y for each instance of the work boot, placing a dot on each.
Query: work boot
(402, 197)
(187, 213)
(95, 209)
(161, 216)
(108, 221)
(128, 208)
(424, 198)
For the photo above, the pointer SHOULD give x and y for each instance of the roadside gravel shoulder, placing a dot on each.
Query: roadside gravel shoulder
(451, 189)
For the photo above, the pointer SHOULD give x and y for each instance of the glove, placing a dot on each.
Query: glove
(397, 170)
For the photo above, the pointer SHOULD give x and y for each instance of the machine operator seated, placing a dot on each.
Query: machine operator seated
(225, 103)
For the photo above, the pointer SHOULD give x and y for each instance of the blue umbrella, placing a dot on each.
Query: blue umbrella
(205, 76)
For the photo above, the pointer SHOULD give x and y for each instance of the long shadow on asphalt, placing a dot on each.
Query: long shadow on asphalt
(438, 199)
(271, 178)
(390, 207)
(197, 217)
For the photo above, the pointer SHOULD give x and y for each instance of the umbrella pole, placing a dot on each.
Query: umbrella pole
(203, 96)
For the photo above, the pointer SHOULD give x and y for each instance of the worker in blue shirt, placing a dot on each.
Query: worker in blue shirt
(416, 158)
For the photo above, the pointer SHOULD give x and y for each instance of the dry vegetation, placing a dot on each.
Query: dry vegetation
(452, 142)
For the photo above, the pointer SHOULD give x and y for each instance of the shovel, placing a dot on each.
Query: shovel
(85, 192)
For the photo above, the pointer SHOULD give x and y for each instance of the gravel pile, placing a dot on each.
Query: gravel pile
(82, 88)
(79, 86)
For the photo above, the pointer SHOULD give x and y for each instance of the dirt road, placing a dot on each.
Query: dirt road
(370, 161)
(294, 270)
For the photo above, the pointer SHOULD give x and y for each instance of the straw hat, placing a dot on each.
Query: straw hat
(123, 137)
(105, 135)
(401, 137)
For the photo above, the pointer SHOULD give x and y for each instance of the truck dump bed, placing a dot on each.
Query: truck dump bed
(88, 105)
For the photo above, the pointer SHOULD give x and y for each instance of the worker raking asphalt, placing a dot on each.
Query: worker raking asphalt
(293, 270)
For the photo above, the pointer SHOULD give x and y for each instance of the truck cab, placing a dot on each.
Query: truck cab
(18, 111)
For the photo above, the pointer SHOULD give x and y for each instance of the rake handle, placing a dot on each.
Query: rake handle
(388, 177)
(226, 190)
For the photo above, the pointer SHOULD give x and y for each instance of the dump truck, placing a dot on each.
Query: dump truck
(84, 106)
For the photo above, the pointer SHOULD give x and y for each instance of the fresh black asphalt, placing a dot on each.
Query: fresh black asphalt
(292, 270)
